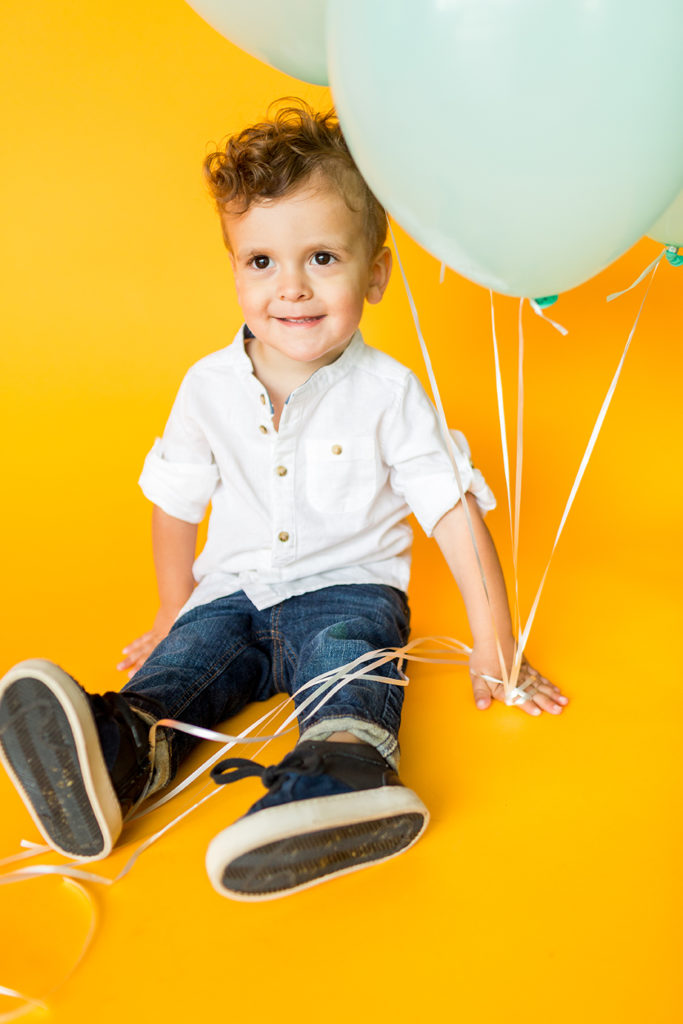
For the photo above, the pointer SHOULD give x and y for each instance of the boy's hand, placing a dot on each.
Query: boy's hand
(140, 649)
(543, 695)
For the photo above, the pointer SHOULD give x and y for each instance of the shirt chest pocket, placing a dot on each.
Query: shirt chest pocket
(341, 473)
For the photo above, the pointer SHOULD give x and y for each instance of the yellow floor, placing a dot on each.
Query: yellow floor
(547, 887)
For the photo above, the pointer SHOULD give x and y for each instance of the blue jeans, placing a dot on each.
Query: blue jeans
(221, 656)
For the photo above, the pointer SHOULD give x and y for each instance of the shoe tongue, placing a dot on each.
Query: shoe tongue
(110, 738)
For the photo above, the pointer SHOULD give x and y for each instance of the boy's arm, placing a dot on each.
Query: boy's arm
(453, 537)
(174, 544)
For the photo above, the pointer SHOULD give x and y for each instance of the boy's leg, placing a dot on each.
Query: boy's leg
(215, 660)
(342, 624)
(332, 807)
(81, 762)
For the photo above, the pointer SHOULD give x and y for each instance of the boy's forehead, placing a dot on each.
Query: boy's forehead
(316, 205)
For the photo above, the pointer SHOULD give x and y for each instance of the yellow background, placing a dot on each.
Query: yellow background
(548, 885)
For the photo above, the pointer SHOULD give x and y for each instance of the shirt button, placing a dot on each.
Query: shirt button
(283, 536)
(264, 430)
(336, 449)
(263, 399)
(281, 471)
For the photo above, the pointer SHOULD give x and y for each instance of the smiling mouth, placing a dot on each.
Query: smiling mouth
(300, 320)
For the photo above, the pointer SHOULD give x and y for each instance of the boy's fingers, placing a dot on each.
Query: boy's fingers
(540, 702)
(130, 660)
(554, 693)
(137, 652)
(140, 642)
(541, 682)
(547, 703)
(543, 695)
(480, 692)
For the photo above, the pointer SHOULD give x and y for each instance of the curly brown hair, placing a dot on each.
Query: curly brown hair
(273, 158)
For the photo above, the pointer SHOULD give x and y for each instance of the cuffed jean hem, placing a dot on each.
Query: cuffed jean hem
(381, 739)
(160, 753)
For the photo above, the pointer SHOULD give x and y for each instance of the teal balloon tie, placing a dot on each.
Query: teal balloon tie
(674, 256)
(546, 300)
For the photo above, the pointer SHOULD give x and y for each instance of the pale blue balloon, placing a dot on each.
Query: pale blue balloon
(287, 34)
(525, 143)
(669, 228)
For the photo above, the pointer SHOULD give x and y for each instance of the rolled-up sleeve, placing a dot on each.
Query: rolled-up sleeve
(421, 468)
(179, 474)
(182, 489)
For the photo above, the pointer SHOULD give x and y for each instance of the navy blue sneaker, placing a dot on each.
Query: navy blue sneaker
(79, 761)
(331, 808)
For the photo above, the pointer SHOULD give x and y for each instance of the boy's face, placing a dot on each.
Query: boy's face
(302, 272)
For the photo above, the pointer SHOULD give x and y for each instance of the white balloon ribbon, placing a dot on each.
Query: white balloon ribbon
(538, 310)
(515, 694)
(28, 1002)
(651, 267)
(449, 447)
(584, 462)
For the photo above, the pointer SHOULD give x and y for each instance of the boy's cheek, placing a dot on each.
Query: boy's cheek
(241, 292)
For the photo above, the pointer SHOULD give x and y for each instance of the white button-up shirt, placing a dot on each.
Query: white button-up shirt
(323, 499)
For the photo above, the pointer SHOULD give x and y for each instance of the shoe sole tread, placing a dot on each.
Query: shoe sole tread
(362, 828)
(49, 745)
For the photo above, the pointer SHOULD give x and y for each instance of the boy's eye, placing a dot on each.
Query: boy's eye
(260, 262)
(323, 259)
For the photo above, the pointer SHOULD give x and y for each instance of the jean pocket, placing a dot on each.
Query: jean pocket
(341, 473)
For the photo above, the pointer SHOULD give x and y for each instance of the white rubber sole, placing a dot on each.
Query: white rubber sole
(51, 750)
(290, 847)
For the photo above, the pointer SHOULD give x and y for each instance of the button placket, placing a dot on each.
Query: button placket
(283, 506)
(265, 409)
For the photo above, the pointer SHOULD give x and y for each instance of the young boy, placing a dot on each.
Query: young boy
(312, 449)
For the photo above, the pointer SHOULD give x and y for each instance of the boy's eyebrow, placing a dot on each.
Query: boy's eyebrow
(337, 246)
(322, 245)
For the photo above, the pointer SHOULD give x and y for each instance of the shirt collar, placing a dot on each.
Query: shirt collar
(323, 377)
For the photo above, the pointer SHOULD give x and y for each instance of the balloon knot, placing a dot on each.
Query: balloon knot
(546, 300)
(674, 255)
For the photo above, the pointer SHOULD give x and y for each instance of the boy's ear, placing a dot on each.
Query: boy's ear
(380, 272)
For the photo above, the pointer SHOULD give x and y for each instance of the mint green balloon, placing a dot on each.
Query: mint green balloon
(525, 143)
(669, 228)
(287, 34)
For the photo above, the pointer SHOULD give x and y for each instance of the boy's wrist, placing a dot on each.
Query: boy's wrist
(167, 614)
(489, 645)
(485, 656)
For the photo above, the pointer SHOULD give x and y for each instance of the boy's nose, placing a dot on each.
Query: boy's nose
(293, 286)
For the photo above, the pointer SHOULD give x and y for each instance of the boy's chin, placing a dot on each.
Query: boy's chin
(301, 345)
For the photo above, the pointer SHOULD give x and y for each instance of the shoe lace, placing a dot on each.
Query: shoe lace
(232, 769)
